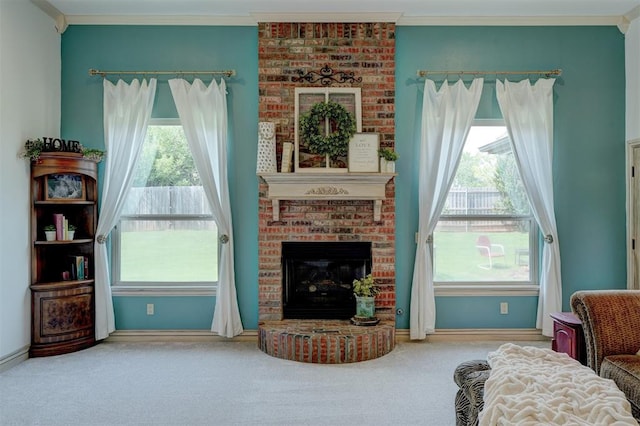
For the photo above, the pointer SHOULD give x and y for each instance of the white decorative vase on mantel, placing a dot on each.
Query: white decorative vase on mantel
(266, 162)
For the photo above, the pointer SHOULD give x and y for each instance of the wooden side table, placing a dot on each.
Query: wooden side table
(568, 336)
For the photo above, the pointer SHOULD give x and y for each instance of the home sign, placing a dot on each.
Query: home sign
(60, 145)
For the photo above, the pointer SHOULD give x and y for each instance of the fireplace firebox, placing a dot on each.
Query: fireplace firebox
(317, 278)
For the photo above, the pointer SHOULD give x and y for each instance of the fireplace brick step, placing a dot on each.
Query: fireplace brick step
(325, 341)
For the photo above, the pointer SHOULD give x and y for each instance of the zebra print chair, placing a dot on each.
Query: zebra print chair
(470, 377)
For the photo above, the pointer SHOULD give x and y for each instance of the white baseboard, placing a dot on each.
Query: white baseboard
(14, 358)
(402, 335)
(132, 336)
(477, 334)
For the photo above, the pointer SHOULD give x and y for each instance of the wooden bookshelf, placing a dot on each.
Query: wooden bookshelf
(63, 309)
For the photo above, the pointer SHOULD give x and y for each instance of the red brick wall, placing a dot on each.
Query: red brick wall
(367, 50)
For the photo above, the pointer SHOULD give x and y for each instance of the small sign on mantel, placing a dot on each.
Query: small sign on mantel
(287, 157)
(363, 153)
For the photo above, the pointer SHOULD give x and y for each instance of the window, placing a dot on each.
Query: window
(166, 235)
(486, 234)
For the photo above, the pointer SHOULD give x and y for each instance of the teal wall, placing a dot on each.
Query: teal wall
(588, 150)
(175, 48)
(170, 313)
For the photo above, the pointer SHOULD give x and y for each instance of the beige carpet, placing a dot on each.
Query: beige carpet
(233, 383)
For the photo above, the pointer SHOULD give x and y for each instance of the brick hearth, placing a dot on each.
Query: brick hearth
(326, 342)
(367, 50)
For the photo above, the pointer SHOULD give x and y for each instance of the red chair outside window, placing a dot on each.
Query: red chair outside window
(489, 251)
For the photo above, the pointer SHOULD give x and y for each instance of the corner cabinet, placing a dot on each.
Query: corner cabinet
(63, 195)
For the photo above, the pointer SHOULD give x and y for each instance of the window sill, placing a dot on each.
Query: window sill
(164, 290)
(486, 290)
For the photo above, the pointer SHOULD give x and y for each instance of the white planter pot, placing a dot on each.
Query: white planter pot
(387, 166)
(71, 234)
(50, 235)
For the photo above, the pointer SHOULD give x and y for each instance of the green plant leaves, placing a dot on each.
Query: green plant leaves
(342, 127)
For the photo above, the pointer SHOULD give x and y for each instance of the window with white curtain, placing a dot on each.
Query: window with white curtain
(486, 235)
(166, 236)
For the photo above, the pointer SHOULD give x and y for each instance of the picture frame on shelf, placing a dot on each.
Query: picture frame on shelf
(65, 187)
(363, 153)
(350, 98)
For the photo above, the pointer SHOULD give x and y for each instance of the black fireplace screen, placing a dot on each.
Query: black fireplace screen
(318, 276)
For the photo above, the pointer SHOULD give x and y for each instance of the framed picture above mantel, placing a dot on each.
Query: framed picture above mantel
(349, 99)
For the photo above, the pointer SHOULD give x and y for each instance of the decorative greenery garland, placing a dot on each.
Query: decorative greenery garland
(312, 124)
(34, 147)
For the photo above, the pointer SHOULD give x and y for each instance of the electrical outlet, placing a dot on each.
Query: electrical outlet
(504, 308)
(150, 308)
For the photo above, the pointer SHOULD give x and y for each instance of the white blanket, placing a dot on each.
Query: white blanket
(536, 386)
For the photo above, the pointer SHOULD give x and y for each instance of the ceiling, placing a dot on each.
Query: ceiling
(408, 12)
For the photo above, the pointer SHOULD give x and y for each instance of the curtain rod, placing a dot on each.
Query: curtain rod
(549, 73)
(228, 73)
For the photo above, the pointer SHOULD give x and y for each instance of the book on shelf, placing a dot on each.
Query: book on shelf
(62, 227)
(76, 267)
(58, 221)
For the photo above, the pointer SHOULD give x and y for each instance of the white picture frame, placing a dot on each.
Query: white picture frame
(305, 98)
(363, 153)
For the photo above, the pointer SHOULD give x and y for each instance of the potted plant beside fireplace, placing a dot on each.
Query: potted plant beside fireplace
(365, 290)
(388, 159)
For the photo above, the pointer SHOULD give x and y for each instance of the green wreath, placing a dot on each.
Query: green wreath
(312, 126)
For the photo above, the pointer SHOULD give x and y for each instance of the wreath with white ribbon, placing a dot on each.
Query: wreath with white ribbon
(342, 127)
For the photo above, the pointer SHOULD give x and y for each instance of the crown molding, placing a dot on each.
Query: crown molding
(509, 20)
(161, 20)
(53, 12)
(62, 21)
(328, 17)
(251, 20)
(397, 18)
(632, 14)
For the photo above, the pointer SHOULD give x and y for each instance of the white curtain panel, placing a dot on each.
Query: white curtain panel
(447, 115)
(127, 110)
(528, 114)
(203, 113)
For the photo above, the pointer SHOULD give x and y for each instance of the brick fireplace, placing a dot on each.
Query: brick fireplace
(367, 50)
(318, 276)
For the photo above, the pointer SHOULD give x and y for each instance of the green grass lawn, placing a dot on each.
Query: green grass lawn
(172, 255)
(458, 259)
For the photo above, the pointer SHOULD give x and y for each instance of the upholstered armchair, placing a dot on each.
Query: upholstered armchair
(611, 324)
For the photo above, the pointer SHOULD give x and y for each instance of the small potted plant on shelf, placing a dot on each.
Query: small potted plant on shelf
(50, 232)
(71, 230)
(388, 159)
(365, 290)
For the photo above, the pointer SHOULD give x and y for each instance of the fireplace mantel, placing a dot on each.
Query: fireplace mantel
(327, 186)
